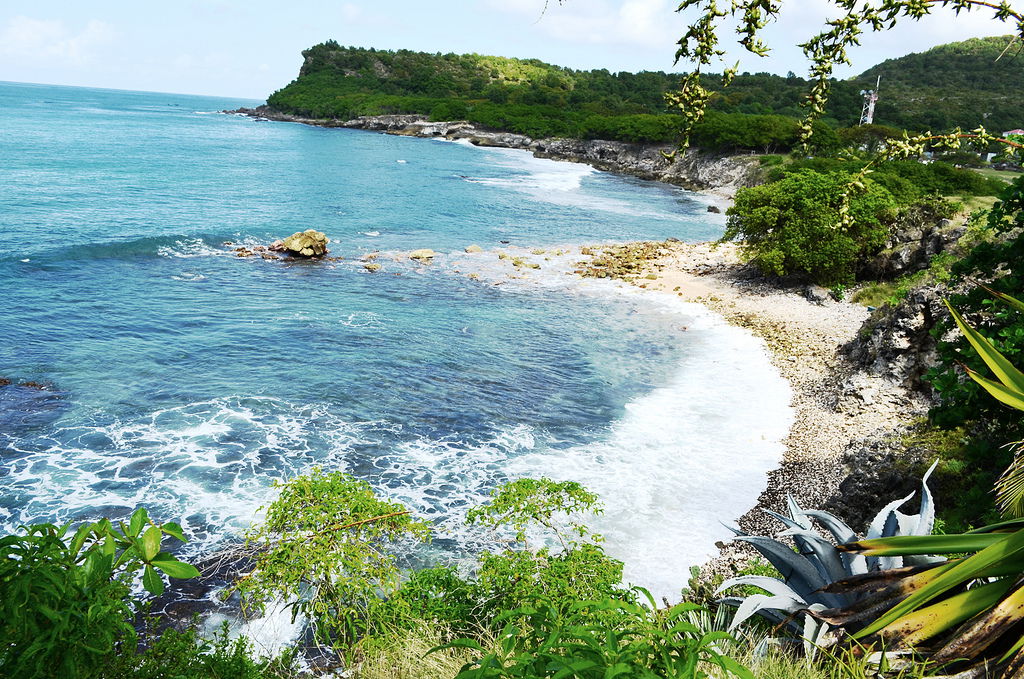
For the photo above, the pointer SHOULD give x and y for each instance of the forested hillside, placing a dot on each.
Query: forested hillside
(957, 84)
(538, 99)
(963, 84)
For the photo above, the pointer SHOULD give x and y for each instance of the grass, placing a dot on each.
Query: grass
(972, 203)
(1006, 175)
(406, 655)
(874, 294)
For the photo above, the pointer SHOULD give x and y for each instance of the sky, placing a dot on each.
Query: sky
(249, 48)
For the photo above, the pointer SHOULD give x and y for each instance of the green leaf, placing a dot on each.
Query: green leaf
(906, 545)
(173, 567)
(174, 530)
(139, 519)
(999, 364)
(1011, 547)
(574, 669)
(151, 543)
(79, 539)
(1011, 397)
(152, 581)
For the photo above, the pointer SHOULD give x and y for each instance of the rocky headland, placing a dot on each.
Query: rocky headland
(696, 170)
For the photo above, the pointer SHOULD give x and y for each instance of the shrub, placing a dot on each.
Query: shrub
(184, 654)
(65, 598)
(792, 226)
(325, 548)
(546, 641)
(997, 259)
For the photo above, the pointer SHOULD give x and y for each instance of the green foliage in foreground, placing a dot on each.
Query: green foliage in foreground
(996, 261)
(595, 640)
(792, 226)
(967, 608)
(326, 548)
(65, 598)
(185, 654)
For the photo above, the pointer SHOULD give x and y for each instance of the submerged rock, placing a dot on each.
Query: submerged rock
(625, 262)
(309, 243)
(474, 248)
(371, 266)
(423, 255)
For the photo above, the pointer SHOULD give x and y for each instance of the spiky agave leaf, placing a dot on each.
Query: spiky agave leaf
(834, 525)
(797, 572)
(755, 603)
(774, 617)
(771, 585)
(827, 560)
(878, 525)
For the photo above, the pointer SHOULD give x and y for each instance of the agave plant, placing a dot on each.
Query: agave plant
(808, 572)
(971, 606)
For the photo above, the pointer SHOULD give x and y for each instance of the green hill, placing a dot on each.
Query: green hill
(959, 84)
(537, 99)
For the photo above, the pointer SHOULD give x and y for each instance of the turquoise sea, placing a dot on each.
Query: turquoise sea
(178, 376)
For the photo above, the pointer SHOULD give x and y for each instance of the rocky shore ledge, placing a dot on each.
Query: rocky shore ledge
(696, 170)
(840, 407)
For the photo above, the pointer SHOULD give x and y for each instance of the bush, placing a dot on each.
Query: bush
(325, 549)
(543, 640)
(792, 226)
(997, 260)
(65, 599)
(174, 654)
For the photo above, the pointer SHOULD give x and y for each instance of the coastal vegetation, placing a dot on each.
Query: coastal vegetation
(757, 112)
(544, 599)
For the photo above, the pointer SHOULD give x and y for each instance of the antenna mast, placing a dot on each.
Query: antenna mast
(867, 113)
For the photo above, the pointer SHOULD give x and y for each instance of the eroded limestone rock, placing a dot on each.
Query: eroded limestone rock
(423, 256)
(309, 243)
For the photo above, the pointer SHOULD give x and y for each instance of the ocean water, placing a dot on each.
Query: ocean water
(180, 377)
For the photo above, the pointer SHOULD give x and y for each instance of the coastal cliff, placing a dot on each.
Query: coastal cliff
(696, 170)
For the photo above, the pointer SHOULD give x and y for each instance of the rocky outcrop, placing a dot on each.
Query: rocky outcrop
(423, 256)
(897, 342)
(308, 243)
(911, 247)
(694, 170)
(879, 469)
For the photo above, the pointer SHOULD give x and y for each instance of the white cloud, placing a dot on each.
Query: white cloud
(644, 23)
(351, 12)
(38, 39)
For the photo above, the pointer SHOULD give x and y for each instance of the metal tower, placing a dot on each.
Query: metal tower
(867, 114)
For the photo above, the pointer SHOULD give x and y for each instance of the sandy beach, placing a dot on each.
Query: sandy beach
(834, 404)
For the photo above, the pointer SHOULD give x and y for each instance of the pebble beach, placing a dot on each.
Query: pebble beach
(804, 330)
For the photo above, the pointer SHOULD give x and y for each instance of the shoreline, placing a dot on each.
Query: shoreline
(710, 173)
(834, 404)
